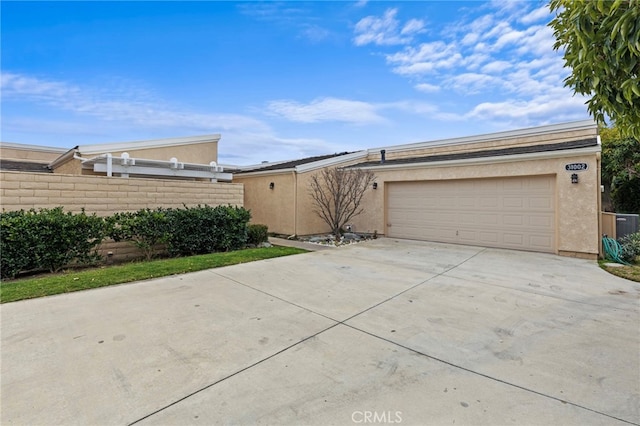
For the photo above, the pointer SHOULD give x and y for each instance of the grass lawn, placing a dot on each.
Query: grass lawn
(630, 272)
(28, 288)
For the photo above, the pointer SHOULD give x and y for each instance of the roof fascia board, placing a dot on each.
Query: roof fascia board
(67, 156)
(265, 173)
(28, 147)
(532, 131)
(333, 161)
(485, 160)
(155, 143)
(257, 166)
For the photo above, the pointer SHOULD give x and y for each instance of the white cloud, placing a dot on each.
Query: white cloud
(509, 36)
(326, 109)
(496, 67)
(413, 107)
(537, 40)
(472, 83)
(426, 58)
(536, 15)
(470, 39)
(384, 30)
(551, 106)
(427, 88)
(414, 26)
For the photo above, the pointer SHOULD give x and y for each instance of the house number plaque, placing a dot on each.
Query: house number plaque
(576, 167)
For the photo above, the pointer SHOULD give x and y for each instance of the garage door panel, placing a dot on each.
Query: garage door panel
(513, 220)
(488, 202)
(540, 241)
(507, 212)
(513, 202)
(464, 202)
(543, 203)
(541, 221)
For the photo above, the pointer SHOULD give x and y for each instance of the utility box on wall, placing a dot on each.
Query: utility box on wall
(626, 224)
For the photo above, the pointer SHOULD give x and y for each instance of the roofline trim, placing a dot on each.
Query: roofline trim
(153, 143)
(264, 173)
(510, 134)
(327, 162)
(484, 160)
(29, 147)
(307, 167)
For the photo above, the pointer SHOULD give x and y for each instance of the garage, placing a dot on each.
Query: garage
(511, 212)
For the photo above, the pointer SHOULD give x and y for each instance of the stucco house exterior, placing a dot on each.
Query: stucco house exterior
(534, 189)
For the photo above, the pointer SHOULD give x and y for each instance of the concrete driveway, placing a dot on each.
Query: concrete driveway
(383, 332)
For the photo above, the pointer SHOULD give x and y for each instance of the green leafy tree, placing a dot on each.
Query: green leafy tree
(621, 169)
(601, 41)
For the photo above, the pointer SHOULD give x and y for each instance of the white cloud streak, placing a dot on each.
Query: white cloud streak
(386, 30)
(326, 109)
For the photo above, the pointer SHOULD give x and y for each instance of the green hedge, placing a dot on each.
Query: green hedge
(47, 239)
(50, 239)
(257, 234)
(205, 229)
(145, 229)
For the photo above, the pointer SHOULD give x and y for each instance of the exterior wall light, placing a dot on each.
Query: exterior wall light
(272, 185)
(574, 178)
(375, 185)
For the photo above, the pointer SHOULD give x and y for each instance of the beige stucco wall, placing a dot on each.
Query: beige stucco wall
(199, 153)
(272, 207)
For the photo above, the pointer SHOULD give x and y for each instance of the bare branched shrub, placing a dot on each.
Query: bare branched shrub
(337, 194)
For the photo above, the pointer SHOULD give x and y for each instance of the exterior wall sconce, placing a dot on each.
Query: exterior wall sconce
(375, 185)
(272, 185)
(574, 178)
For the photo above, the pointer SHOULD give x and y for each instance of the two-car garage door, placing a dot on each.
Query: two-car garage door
(515, 212)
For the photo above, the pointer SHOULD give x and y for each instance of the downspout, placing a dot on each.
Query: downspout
(295, 202)
(599, 190)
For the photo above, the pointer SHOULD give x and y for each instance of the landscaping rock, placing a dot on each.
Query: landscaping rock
(265, 245)
(349, 236)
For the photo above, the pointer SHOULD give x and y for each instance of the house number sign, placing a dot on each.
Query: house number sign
(576, 167)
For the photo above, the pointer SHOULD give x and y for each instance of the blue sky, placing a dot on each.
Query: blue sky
(278, 80)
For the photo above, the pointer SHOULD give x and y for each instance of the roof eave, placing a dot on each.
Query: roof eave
(144, 144)
(484, 160)
(510, 134)
(333, 161)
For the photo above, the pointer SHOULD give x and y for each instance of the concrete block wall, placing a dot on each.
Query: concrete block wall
(107, 195)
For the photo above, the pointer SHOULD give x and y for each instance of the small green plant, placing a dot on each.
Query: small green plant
(630, 247)
(257, 233)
